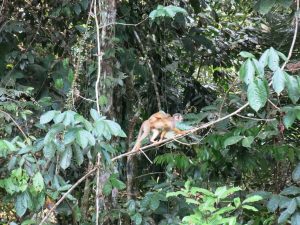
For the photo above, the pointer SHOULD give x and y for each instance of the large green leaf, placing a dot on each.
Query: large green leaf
(247, 72)
(273, 60)
(264, 58)
(293, 88)
(273, 203)
(137, 218)
(38, 182)
(78, 155)
(66, 158)
(257, 94)
(289, 118)
(48, 116)
(296, 219)
(264, 6)
(21, 203)
(278, 81)
(232, 140)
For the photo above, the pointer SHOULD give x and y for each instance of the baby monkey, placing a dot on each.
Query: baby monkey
(158, 123)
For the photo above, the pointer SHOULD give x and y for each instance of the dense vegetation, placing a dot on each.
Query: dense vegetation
(78, 78)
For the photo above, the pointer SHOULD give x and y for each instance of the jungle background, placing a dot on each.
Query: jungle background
(78, 78)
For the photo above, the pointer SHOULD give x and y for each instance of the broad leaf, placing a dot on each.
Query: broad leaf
(66, 157)
(278, 81)
(289, 118)
(245, 54)
(257, 94)
(296, 219)
(232, 140)
(38, 182)
(293, 88)
(48, 116)
(253, 198)
(247, 72)
(273, 203)
(247, 141)
(273, 60)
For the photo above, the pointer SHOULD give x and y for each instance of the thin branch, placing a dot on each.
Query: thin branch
(66, 194)
(275, 106)
(124, 24)
(84, 98)
(147, 157)
(15, 122)
(99, 57)
(294, 37)
(256, 119)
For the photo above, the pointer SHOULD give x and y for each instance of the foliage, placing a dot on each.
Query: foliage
(207, 59)
(214, 208)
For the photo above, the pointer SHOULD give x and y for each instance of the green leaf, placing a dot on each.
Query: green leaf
(289, 118)
(38, 182)
(21, 204)
(115, 128)
(296, 219)
(273, 61)
(48, 116)
(278, 81)
(253, 198)
(247, 72)
(292, 206)
(249, 207)
(245, 54)
(84, 138)
(28, 222)
(264, 6)
(259, 68)
(66, 157)
(107, 188)
(296, 173)
(232, 140)
(257, 94)
(95, 115)
(293, 88)
(237, 202)
(247, 141)
(283, 217)
(78, 155)
(117, 183)
(49, 150)
(264, 58)
(137, 218)
(292, 190)
(59, 117)
(154, 203)
(273, 203)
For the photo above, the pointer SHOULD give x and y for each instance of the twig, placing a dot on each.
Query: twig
(86, 99)
(275, 106)
(294, 37)
(124, 24)
(99, 57)
(147, 157)
(18, 126)
(66, 194)
(256, 119)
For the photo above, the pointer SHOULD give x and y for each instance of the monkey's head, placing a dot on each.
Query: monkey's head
(177, 117)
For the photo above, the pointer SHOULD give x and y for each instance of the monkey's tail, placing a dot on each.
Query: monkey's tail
(137, 143)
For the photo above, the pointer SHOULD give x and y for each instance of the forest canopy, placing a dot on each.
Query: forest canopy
(149, 112)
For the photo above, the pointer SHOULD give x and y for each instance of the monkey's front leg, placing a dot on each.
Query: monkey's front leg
(155, 133)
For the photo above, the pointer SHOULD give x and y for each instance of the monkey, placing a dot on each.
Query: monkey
(159, 122)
